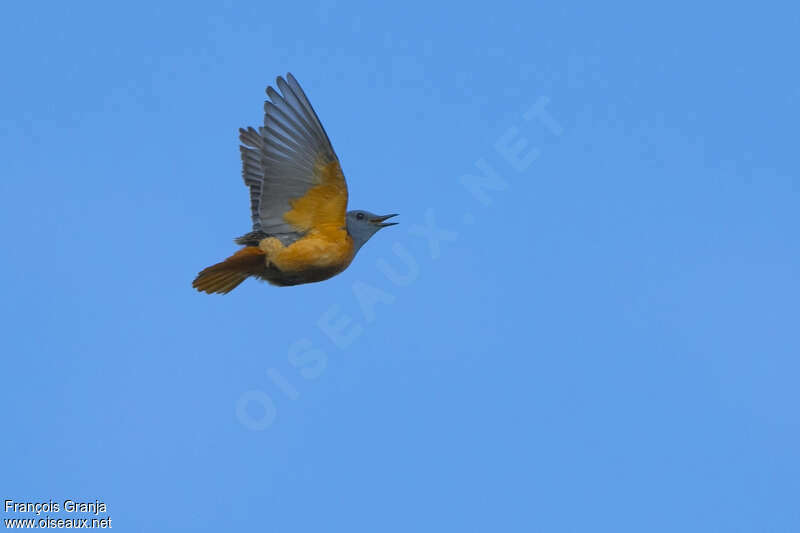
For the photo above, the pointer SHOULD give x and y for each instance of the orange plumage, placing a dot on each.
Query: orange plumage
(302, 231)
(323, 207)
(225, 276)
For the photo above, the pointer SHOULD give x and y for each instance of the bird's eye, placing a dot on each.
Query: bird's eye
(360, 216)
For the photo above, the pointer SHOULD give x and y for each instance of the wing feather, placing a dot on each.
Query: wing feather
(294, 176)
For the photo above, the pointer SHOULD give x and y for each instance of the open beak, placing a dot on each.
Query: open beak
(380, 220)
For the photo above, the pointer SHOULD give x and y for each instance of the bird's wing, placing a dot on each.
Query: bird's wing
(296, 182)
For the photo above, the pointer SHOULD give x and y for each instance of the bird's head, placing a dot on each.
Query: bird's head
(361, 225)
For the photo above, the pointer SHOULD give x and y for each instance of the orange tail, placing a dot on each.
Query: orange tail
(227, 275)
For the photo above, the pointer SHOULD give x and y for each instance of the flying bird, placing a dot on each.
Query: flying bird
(302, 231)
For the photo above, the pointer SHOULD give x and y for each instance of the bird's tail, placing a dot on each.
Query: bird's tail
(227, 275)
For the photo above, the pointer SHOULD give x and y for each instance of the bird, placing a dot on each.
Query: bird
(302, 231)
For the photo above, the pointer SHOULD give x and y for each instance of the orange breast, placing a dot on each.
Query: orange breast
(322, 249)
(324, 204)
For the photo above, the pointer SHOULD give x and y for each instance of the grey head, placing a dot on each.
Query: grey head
(361, 225)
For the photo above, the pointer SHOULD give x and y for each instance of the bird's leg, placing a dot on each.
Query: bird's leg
(271, 248)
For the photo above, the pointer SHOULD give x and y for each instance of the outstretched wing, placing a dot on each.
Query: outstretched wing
(296, 182)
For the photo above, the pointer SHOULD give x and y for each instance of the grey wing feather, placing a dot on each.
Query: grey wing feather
(278, 160)
(252, 170)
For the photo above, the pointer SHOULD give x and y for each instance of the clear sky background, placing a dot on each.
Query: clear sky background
(604, 340)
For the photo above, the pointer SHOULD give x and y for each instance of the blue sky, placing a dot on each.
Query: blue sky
(606, 339)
